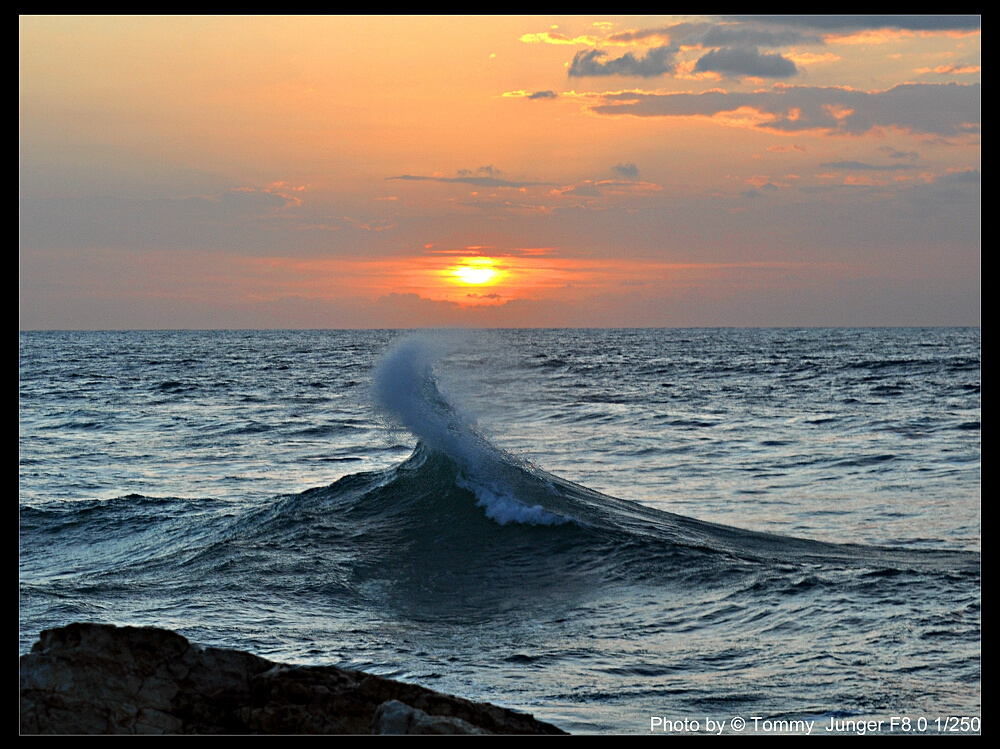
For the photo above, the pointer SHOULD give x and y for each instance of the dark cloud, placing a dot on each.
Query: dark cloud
(861, 23)
(863, 167)
(657, 61)
(948, 109)
(476, 181)
(740, 62)
(487, 171)
(714, 35)
(894, 154)
(750, 36)
(544, 95)
(627, 169)
(783, 31)
(734, 44)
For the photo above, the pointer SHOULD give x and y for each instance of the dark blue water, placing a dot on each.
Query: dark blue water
(597, 526)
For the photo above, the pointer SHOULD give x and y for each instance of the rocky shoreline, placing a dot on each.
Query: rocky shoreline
(103, 679)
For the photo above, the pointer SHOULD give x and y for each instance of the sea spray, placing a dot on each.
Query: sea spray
(406, 390)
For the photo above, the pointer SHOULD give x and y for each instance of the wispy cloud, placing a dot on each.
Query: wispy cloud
(951, 69)
(865, 167)
(522, 94)
(477, 181)
(949, 109)
(894, 153)
(548, 37)
(488, 171)
(811, 58)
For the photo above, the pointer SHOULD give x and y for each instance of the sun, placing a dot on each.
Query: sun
(475, 275)
(475, 271)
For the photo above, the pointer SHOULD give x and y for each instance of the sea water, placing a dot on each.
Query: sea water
(606, 528)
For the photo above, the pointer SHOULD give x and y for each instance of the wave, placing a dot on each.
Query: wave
(452, 454)
(460, 526)
(407, 391)
(419, 538)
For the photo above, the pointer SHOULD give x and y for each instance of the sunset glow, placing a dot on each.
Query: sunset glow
(379, 171)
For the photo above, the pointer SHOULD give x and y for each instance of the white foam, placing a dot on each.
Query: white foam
(504, 508)
(407, 392)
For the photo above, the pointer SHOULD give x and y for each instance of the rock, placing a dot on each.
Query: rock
(98, 678)
(398, 718)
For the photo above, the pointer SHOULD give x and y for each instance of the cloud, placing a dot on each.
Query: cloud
(617, 39)
(716, 35)
(746, 62)
(949, 109)
(522, 94)
(760, 183)
(483, 181)
(862, 166)
(627, 169)
(894, 154)
(749, 36)
(557, 38)
(611, 187)
(860, 23)
(741, 60)
(586, 189)
(494, 295)
(952, 69)
(656, 61)
(375, 225)
(740, 33)
(488, 171)
(659, 32)
(810, 58)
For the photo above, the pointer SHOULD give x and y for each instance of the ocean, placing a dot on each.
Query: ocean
(666, 530)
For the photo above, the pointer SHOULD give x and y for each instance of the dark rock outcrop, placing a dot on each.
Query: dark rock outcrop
(98, 678)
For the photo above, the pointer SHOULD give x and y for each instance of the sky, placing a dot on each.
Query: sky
(498, 171)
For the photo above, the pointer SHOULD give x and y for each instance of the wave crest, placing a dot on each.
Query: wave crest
(407, 392)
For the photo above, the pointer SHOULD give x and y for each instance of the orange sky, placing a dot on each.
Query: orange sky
(339, 172)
